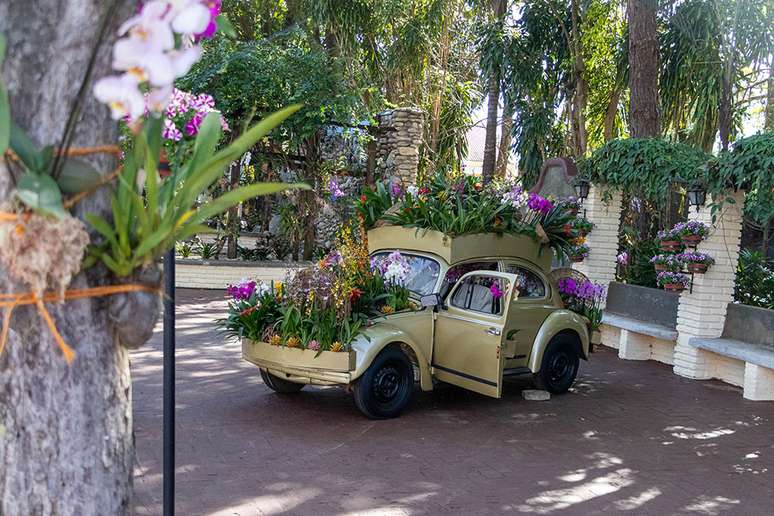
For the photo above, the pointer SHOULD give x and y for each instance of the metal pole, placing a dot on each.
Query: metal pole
(169, 383)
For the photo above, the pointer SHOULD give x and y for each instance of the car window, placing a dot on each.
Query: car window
(528, 284)
(480, 293)
(455, 272)
(423, 272)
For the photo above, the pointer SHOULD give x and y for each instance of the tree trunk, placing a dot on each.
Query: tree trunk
(503, 151)
(233, 215)
(67, 447)
(580, 95)
(769, 123)
(610, 114)
(643, 68)
(490, 140)
(725, 111)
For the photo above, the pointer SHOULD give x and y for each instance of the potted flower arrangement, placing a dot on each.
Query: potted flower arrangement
(462, 206)
(696, 262)
(320, 309)
(584, 298)
(691, 232)
(667, 262)
(673, 281)
(578, 252)
(670, 240)
(578, 227)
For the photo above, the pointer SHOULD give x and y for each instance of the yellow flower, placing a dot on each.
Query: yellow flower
(337, 346)
(293, 342)
(387, 309)
(275, 340)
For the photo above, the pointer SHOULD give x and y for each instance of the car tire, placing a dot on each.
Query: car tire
(559, 366)
(279, 385)
(385, 389)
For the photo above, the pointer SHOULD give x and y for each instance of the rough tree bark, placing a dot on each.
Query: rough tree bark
(493, 92)
(68, 429)
(643, 68)
(503, 150)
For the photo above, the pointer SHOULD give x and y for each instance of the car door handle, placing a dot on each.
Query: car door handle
(493, 331)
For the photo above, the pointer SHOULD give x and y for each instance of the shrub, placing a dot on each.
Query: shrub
(754, 280)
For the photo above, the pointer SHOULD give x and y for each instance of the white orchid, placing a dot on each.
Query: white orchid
(122, 95)
(149, 55)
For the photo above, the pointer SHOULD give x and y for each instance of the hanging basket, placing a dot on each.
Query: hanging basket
(670, 245)
(692, 240)
(697, 268)
(659, 267)
(674, 287)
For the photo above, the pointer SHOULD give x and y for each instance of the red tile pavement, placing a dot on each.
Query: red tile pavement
(631, 438)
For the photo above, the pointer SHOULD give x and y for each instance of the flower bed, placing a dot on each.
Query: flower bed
(583, 298)
(464, 206)
(321, 308)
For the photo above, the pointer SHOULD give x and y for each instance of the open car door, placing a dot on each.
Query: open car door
(468, 336)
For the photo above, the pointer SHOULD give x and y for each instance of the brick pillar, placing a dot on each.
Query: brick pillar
(605, 213)
(702, 313)
(400, 134)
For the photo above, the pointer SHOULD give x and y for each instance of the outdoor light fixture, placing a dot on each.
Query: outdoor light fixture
(696, 195)
(582, 187)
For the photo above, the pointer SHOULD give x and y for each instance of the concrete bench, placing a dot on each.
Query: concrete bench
(640, 322)
(744, 354)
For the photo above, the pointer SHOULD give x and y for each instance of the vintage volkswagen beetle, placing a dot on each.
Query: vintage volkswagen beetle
(487, 311)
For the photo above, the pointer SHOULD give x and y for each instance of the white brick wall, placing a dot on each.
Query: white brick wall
(213, 276)
(600, 265)
(758, 383)
(702, 313)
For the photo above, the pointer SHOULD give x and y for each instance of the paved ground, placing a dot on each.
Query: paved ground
(632, 438)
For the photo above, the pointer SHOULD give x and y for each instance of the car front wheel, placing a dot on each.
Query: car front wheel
(279, 385)
(384, 390)
(560, 365)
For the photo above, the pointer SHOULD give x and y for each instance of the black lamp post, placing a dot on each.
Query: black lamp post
(582, 187)
(169, 385)
(697, 195)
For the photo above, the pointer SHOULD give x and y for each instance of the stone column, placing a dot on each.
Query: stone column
(702, 313)
(603, 208)
(400, 134)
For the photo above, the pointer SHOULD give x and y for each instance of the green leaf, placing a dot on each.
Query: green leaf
(78, 176)
(234, 197)
(40, 193)
(22, 145)
(224, 26)
(104, 228)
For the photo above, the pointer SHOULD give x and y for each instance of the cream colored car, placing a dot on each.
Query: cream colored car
(488, 312)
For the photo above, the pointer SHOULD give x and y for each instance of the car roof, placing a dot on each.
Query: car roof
(460, 248)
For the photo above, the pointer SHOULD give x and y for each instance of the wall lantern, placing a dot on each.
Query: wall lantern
(696, 195)
(582, 187)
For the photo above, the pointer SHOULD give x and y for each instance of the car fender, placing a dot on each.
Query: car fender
(557, 322)
(371, 341)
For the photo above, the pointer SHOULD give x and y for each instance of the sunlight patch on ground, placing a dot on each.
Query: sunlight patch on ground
(711, 504)
(560, 499)
(635, 502)
(687, 432)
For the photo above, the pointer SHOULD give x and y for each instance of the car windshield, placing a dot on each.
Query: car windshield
(423, 272)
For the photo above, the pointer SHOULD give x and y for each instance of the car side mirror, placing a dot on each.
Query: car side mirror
(431, 300)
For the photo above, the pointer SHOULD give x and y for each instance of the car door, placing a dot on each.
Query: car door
(530, 307)
(468, 332)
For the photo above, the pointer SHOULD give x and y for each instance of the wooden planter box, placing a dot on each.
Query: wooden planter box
(674, 287)
(670, 245)
(697, 268)
(692, 240)
(264, 353)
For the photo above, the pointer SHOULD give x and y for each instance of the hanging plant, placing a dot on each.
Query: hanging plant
(691, 233)
(697, 263)
(667, 262)
(673, 281)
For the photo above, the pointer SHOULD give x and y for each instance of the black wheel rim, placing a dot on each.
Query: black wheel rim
(388, 383)
(560, 367)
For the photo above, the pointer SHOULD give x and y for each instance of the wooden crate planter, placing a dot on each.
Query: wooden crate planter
(283, 356)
